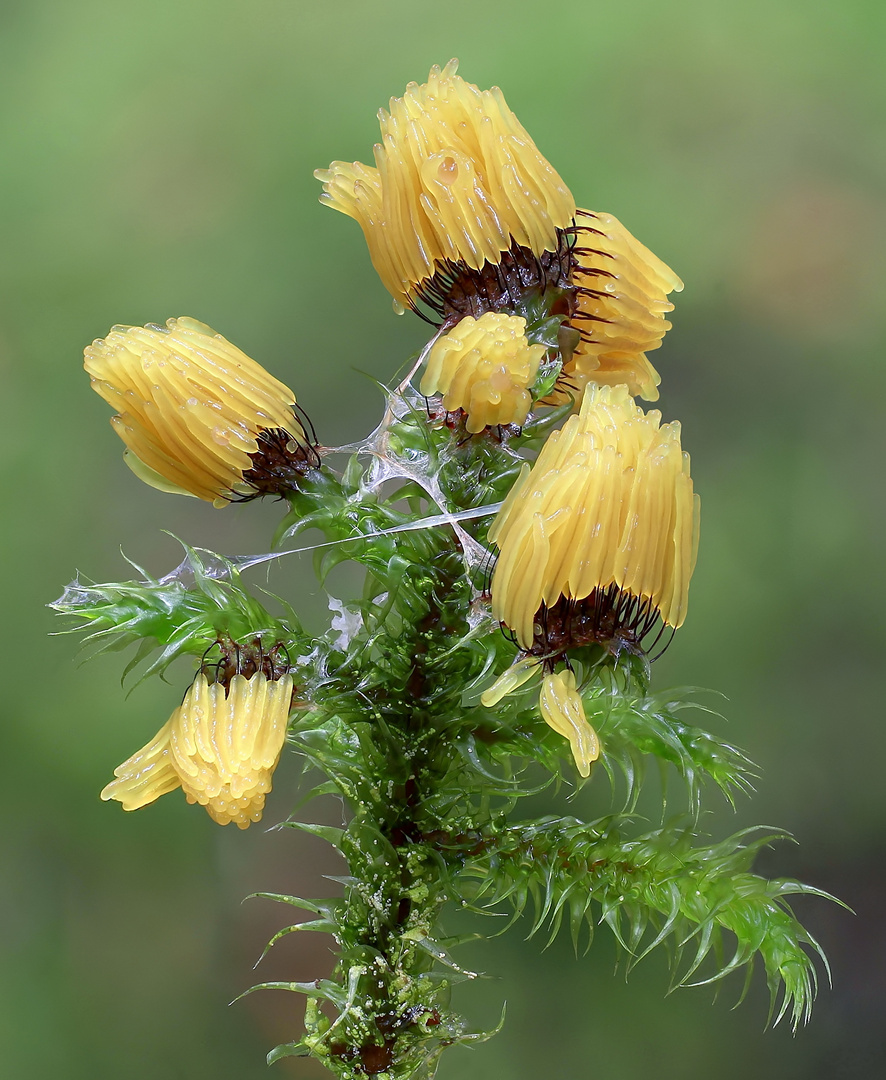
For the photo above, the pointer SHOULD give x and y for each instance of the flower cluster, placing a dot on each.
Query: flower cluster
(543, 316)
(542, 304)
(596, 540)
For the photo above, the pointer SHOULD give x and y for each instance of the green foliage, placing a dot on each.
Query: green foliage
(184, 613)
(635, 726)
(656, 888)
(392, 723)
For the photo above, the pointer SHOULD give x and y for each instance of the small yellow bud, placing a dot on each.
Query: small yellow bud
(485, 367)
(198, 416)
(511, 679)
(561, 706)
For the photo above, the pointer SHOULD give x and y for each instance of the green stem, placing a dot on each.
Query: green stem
(394, 1020)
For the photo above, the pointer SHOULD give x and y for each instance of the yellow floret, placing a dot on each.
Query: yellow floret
(622, 301)
(145, 776)
(226, 747)
(221, 748)
(562, 708)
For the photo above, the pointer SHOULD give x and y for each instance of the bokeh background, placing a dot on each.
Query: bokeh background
(156, 160)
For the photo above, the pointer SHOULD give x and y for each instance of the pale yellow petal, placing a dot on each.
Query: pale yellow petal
(562, 709)
(145, 776)
(511, 679)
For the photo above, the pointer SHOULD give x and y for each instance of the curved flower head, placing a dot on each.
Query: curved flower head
(220, 745)
(620, 291)
(484, 366)
(457, 182)
(599, 537)
(197, 415)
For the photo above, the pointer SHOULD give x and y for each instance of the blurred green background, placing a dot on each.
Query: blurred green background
(156, 161)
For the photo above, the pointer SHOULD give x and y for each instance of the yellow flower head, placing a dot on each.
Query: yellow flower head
(621, 298)
(485, 367)
(457, 182)
(599, 537)
(221, 745)
(198, 416)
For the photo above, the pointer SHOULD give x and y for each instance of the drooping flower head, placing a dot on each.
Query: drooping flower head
(598, 538)
(221, 745)
(459, 200)
(197, 415)
(484, 367)
(597, 545)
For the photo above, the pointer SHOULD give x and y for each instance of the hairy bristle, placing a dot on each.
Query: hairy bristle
(608, 616)
(455, 288)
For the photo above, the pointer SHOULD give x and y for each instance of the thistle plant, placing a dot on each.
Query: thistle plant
(526, 534)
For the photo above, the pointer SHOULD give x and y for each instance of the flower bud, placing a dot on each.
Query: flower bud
(620, 291)
(562, 708)
(221, 745)
(599, 537)
(457, 183)
(510, 680)
(484, 366)
(198, 416)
